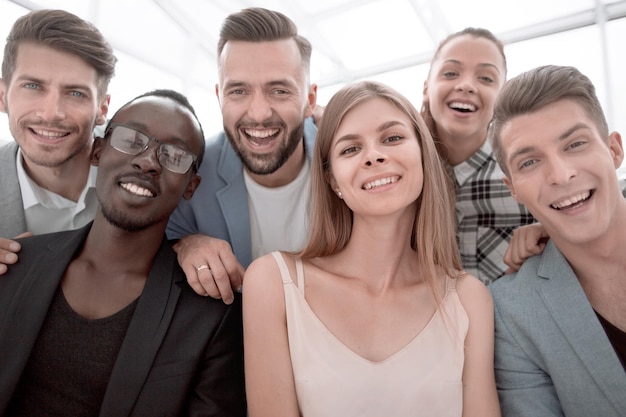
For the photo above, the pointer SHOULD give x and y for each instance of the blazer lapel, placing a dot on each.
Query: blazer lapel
(233, 200)
(146, 331)
(12, 221)
(26, 309)
(588, 339)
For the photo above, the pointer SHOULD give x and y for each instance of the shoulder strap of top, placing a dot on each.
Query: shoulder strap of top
(300, 274)
(450, 284)
(284, 271)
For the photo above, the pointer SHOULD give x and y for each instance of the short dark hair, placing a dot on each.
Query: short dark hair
(178, 98)
(533, 90)
(256, 24)
(65, 32)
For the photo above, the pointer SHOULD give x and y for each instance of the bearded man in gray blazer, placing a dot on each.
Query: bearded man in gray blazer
(561, 320)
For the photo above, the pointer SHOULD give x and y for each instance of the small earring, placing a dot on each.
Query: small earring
(339, 194)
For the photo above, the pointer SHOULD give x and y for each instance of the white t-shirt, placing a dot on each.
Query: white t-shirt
(279, 216)
(48, 212)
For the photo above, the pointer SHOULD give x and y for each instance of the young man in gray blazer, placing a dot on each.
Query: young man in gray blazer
(561, 320)
(56, 70)
(101, 320)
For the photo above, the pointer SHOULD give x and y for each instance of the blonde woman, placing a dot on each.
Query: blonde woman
(374, 317)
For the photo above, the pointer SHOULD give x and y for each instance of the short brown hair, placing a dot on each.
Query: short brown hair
(533, 90)
(256, 24)
(434, 229)
(65, 32)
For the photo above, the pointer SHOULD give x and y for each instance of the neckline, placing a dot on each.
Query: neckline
(436, 315)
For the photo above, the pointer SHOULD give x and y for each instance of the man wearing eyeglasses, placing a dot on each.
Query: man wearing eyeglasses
(55, 74)
(101, 320)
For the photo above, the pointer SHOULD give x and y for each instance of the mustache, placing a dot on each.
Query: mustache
(30, 124)
(266, 124)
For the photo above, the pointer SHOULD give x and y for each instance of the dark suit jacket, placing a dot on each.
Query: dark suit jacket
(182, 354)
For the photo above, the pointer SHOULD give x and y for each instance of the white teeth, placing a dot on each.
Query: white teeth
(49, 134)
(379, 182)
(462, 106)
(137, 190)
(261, 134)
(570, 201)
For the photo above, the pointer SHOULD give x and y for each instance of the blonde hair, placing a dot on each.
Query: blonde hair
(433, 237)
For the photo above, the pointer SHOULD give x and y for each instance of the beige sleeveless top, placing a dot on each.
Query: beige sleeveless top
(422, 379)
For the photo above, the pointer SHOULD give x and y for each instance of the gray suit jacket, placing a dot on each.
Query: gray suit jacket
(182, 353)
(552, 356)
(219, 207)
(12, 219)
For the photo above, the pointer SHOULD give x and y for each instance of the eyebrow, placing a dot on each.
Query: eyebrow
(239, 83)
(562, 136)
(481, 64)
(379, 129)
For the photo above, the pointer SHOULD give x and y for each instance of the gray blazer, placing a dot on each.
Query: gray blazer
(219, 207)
(552, 356)
(12, 219)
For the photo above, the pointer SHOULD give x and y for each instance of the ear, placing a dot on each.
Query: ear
(311, 100)
(510, 186)
(217, 94)
(96, 151)
(104, 110)
(3, 96)
(425, 92)
(330, 179)
(193, 184)
(616, 149)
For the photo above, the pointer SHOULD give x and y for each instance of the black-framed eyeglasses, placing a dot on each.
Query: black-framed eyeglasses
(133, 142)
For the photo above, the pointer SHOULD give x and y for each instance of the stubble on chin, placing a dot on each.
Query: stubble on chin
(265, 164)
(51, 156)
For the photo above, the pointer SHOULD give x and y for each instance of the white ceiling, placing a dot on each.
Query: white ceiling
(172, 43)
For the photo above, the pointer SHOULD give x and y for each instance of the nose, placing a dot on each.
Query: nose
(52, 107)
(560, 172)
(466, 85)
(374, 156)
(148, 160)
(260, 108)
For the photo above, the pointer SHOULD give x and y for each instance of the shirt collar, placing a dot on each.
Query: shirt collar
(474, 163)
(33, 194)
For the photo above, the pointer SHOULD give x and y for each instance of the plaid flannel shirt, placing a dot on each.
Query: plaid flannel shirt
(487, 215)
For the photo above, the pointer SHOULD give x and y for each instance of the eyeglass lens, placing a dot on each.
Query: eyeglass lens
(133, 142)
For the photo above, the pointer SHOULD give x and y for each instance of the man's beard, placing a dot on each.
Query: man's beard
(123, 221)
(45, 161)
(266, 164)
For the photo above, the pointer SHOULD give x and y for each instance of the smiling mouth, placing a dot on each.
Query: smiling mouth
(262, 137)
(462, 107)
(48, 134)
(380, 182)
(136, 190)
(572, 202)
